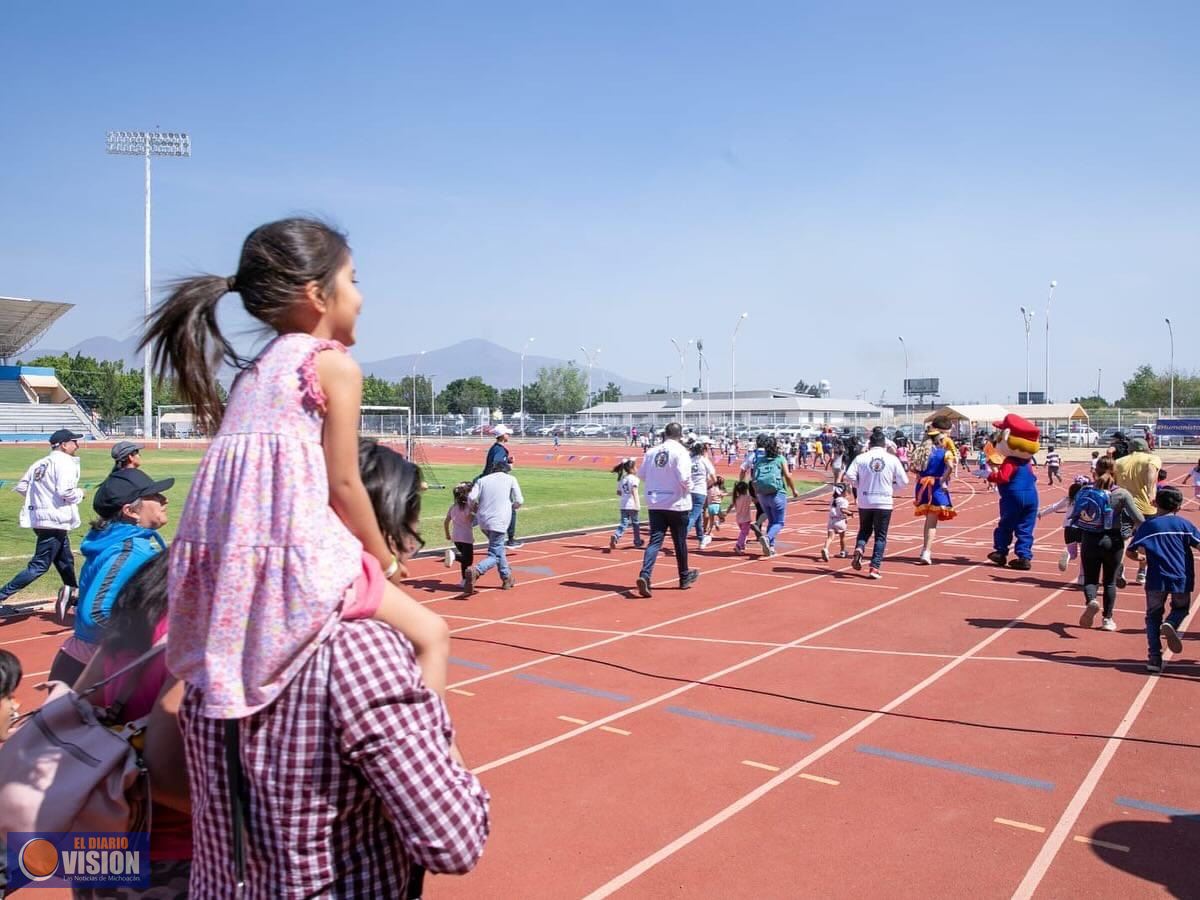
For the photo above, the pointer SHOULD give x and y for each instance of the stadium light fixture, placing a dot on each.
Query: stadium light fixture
(1046, 397)
(733, 393)
(147, 144)
(1027, 316)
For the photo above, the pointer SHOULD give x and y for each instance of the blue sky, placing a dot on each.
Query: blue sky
(618, 174)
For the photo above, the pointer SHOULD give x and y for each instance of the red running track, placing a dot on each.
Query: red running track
(789, 728)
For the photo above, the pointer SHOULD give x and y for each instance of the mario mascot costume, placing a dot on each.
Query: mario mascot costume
(1014, 446)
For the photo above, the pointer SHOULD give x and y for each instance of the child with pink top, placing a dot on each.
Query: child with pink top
(278, 540)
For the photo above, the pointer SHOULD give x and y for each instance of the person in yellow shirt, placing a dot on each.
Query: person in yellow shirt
(1137, 472)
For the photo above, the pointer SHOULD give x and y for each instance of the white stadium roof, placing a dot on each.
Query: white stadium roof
(23, 322)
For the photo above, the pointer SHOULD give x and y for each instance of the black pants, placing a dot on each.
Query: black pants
(53, 548)
(66, 669)
(662, 521)
(1100, 559)
(466, 556)
(873, 522)
(1052, 473)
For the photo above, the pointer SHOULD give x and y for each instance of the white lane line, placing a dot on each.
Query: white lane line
(758, 765)
(1066, 822)
(1012, 823)
(792, 771)
(979, 597)
(818, 779)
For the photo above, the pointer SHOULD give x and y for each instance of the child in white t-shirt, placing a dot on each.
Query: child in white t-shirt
(1194, 474)
(630, 503)
(1070, 534)
(712, 506)
(459, 526)
(839, 512)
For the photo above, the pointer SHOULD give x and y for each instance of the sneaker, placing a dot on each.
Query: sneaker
(824, 554)
(1064, 560)
(1154, 664)
(705, 541)
(772, 552)
(507, 584)
(612, 543)
(1121, 582)
(856, 563)
(1088, 616)
(1171, 636)
(469, 582)
(1022, 565)
(66, 599)
(998, 558)
(448, 558)
(1108, 625)
(739, 551)
(643, 586)
(1141, 577)
(926, 558)
(688, 579)
(513, 545)
(874, 573)
(843, 554)
(639, 546)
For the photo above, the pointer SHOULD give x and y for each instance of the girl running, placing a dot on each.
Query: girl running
(1194, 474)
(1066, 505)
(1106, 517)
(459, 526)
(627, 490)
(839, 512)
(278, 539)
(712, 512)
(743, 513)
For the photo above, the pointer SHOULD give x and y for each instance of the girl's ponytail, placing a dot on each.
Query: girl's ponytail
(187, 345)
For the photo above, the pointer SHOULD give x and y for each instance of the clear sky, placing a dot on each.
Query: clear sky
(620, 173)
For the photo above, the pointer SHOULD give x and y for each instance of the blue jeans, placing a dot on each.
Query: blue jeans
(53, 548)
(696, 516)
(873, 521)
(661, 521)
(1155, 602)
(776, 508)
(629, 517)
(495, 555)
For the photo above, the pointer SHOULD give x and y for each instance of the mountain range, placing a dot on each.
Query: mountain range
(496, 365)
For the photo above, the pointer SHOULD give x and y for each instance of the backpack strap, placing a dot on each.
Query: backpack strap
(118, 706)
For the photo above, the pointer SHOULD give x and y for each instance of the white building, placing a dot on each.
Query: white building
(749, 408)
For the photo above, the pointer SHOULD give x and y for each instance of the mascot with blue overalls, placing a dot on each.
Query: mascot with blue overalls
(1011, 454)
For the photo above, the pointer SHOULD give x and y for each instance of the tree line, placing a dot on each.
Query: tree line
(113, 391)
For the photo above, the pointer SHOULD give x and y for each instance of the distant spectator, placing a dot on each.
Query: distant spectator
(127, 455)
(499, 453)
(51, 508)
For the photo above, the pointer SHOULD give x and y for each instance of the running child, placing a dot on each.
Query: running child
(631, 504)
(742, 505)
(712, 511)
(459, 526)
(1095, 460)
(839, 512)
(1194, 474)
(1168, 540)
(1053, 464)
(278, 539)
(1066, 505)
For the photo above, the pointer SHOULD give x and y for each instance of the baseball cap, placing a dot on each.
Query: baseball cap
(1139, 445)
(63, 435)
(125, 486)
(501, 430)
(126, 448)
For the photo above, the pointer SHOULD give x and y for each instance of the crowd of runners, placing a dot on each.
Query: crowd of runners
(285, 691)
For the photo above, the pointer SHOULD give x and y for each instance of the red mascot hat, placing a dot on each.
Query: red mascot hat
(1019, 434)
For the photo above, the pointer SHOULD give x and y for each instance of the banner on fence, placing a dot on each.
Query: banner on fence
(1182, 428)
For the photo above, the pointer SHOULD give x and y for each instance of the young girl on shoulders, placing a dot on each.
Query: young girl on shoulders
(278, 540)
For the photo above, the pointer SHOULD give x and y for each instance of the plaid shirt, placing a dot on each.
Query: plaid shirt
(349, 780)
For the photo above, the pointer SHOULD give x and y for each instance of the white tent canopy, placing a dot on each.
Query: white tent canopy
(992, 412)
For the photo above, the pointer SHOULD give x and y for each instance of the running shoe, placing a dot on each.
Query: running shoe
(1064, 560)
(1121, 582)
(1171, 636)
(643, 586)
(469, 582)
(507, 584)
(874, 573)
(612, 543)
(843, 554)
(639, 546)
(1022, 565)
(513, 545)
(926, 558)
(688, 579)
(705, 541)
(856, 563)
(998, 558)
(448, 558)
(764, 544)
(64, 602)
(1141, 576)
(1154, 664)
(1088, 616)
(824, 554)
(1108, 625)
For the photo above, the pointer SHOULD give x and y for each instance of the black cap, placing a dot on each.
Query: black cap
(125, 486)
(62, 436)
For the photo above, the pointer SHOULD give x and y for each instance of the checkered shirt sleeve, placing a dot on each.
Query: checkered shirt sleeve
(349, 777)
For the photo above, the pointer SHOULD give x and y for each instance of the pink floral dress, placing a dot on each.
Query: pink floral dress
(261, 564)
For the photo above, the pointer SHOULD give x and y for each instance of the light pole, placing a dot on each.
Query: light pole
(147, 144)
(591, 361)
(907, 410)
(1171, 332)
(1099, 372)
(524, 350)
(1027, 315)
(733, 393)
(1046, 395)
(682, 365)
(416, 359)
(432, 402)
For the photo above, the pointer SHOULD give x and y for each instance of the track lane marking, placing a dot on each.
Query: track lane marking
(1022, 825)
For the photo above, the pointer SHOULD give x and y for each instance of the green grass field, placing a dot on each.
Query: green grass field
(555, 500)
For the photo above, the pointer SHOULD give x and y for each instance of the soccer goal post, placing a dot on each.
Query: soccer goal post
(390, 424)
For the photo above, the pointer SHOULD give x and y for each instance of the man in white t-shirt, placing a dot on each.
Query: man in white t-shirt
(666, 474)
(876, 474)
(493, 500)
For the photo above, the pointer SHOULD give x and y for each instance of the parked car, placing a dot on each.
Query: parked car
(591, 429)
(480, 429)
(1078, 437)
(547, 430)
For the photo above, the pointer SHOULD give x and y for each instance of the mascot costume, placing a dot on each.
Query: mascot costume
(1010, 453)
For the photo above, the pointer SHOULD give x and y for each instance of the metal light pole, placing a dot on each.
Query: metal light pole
(524, 350)
(682, 365)
(1099, 372)
(591, 361)
(147, 144)
(1171, 332)
(733, 393)
(432, 402)
(1027, 315)
(907, 409)
(1046, 397)
(416, 359)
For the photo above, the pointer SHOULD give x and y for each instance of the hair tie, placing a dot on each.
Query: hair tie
(231, 284)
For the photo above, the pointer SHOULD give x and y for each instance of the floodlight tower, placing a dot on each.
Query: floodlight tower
(147, 144)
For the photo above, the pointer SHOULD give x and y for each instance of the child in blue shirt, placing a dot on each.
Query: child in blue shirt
(1168, 541)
